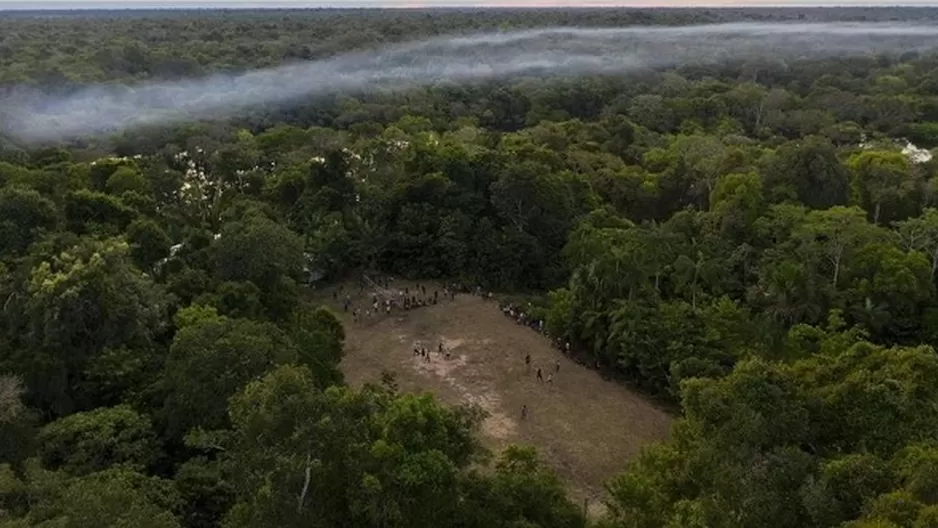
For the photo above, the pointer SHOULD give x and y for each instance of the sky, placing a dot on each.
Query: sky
(248, 4)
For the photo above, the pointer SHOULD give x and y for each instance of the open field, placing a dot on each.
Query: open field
(585, 427)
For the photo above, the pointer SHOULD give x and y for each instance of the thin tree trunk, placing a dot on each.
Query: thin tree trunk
(836, 270)
(308, 475)
(693, 297)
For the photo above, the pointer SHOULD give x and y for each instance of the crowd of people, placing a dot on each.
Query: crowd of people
(522, 317)
(386, 299)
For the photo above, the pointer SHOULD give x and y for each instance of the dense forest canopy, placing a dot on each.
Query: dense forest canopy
(753, 242)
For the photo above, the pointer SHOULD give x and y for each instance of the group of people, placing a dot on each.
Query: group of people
(390, 301)
(540, 371)
(424, 352)
(539, 376)
(521, 317)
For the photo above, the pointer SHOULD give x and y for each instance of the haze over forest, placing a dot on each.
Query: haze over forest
(306, 4)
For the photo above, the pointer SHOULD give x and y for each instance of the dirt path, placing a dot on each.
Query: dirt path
(585, 427)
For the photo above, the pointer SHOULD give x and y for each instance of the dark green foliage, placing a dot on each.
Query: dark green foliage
(205, 493)
(372, 457)
(148, 243)
(83, 443)
(92, 212)
(115, 497)
(807, 171)
(212, 359)
(265, 253)
(320, 341)
(69, 311)
(25, 216)
(923, 134)
(520, 493)
(235, 299)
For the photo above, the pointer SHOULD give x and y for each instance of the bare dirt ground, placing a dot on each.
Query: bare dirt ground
(584, 427)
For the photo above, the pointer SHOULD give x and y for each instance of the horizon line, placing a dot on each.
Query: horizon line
(375, 5)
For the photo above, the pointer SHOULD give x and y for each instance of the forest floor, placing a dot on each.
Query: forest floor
(586, 428)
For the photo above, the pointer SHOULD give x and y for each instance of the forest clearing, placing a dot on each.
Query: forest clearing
(585, 427)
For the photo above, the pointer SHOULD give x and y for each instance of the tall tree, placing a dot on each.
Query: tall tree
(882, 179)
(73, 308)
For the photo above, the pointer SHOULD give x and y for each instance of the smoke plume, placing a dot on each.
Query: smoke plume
(35, 118)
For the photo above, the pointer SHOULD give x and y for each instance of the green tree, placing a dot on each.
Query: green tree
(881, 179)
(807, 170)
(91, 212)
(25, 216)
(521, 492)
(836, 233)
(921, 234)
(738, 201)
(125, 179)
(264, 252)
(844, 485)
(209, 361)
(87, 442)
(149, 243)
(320, 340)
(70, 311)
(17, 422)
(113, 498)
(343, 457)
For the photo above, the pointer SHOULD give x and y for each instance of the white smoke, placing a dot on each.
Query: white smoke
(96, 110)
